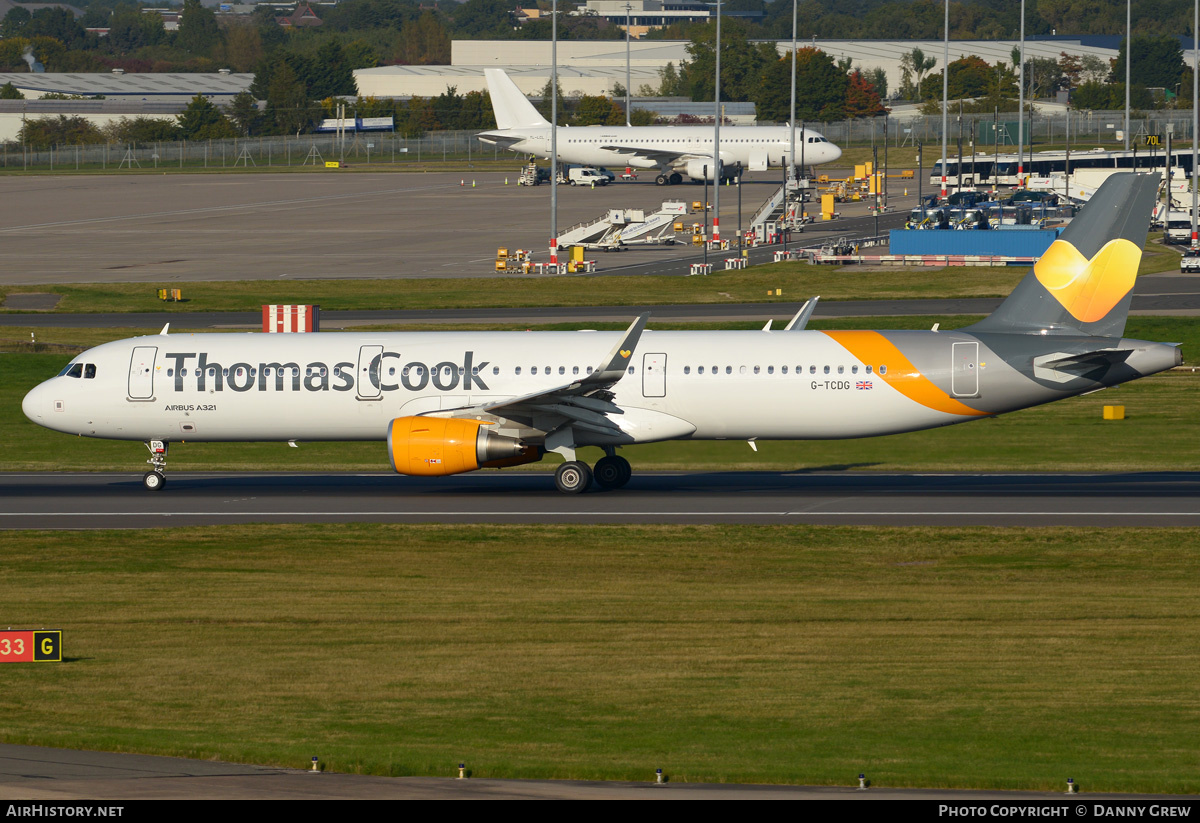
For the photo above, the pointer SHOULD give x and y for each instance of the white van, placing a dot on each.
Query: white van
(586, 176)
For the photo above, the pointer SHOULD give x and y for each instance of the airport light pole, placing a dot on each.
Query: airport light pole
(946, 88)
(1021, 103)
(628, 9)
(717, 140)
(1128, 61)
(1195, 113)
(554, 135)
(792, 115)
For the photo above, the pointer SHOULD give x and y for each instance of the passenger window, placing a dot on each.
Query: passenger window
(770, 369)
(518, 369)
(700, 370)
(687, 369)
(868, 369)
(171, 372)
(589, 369)
(224, 372)
(729, 369)
(574, 370)
(562, 369)
(812, 369)
(883, 369)
(827, 370)
(854, 369)
(533, 369)
(784, 370)
(631, 369)
(841, 369)
(495, 369)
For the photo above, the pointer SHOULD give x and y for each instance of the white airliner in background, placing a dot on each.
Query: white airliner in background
(450, 402)
(673, 150)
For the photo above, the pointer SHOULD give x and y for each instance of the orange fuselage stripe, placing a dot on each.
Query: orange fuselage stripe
(872, 347)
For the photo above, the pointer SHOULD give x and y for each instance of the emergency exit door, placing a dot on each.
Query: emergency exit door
(141, 373)
(368, 382)
(654, 375)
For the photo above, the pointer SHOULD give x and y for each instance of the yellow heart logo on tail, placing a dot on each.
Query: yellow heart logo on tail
(626, 352)
(1089, 289)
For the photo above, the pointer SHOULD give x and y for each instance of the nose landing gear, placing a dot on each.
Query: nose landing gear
(154, 479)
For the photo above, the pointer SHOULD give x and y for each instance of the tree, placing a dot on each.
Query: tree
(598, 110)
(202, 120)
(288, 108)
(921, 64)
(243, 47)
(423, 42)
(742, 63)
(820, 88)
(142, 130)
(244, 113)
(45, 132)
(16, 22)
(130, 30)
(861, 98)
(969, 77)
(1157, 62)
(9, 92)
(877, 77)
(198, 32)
(331, 74)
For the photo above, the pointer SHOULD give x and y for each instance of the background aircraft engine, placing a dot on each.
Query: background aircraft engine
(434, 446)
(696, 168)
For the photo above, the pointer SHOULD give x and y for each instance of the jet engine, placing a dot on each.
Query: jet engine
(435, 446)
(701, 169)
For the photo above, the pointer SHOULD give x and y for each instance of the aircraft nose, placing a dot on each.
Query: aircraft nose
(837, 152)
(35, 405)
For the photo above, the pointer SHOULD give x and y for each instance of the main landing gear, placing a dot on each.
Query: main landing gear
(574, 476)
(154, 479)
(672, 179)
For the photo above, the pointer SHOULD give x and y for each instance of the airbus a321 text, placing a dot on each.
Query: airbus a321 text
(674, 150)
(450, 402)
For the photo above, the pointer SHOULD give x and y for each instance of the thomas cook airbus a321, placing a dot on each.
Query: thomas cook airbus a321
(451, 402)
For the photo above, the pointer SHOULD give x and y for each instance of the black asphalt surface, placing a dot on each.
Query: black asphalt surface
(46, 500)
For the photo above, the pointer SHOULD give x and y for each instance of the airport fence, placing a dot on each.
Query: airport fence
(1087, 130)
(257, 152)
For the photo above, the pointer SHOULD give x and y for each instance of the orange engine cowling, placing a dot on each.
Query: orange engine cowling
(435, 446)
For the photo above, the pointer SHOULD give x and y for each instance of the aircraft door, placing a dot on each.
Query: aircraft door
(654, 375)
(368, 383)
(964, 378)
(141, 372)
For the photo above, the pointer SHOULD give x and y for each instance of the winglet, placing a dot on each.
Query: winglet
(617, 360)
(801, 319)
(164, 329)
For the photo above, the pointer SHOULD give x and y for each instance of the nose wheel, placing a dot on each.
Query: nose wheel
(154, 479)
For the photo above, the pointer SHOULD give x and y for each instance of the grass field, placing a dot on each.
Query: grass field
(1158, 434)
(797, 280)
(1007, 658)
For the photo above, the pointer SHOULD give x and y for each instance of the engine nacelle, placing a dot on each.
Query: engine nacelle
(701, 169)
(436, 446)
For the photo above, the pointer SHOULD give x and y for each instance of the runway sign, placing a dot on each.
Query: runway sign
(31, 647)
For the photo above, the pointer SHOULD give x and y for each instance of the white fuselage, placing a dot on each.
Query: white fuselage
(349, 386)
(755, 147)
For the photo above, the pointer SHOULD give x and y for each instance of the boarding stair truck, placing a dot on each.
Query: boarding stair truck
(617, 228)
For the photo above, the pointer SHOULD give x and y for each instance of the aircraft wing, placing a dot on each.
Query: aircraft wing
(585, 403)
(663, 157)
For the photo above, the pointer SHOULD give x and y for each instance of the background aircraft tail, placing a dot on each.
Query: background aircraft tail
(1083, 283)
(511, 107)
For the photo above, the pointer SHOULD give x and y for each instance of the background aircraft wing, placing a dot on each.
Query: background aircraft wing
(664, 157)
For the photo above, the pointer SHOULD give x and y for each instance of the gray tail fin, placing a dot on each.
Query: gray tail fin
(1083, 283)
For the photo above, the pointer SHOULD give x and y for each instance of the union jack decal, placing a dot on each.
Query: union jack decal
(863, 384)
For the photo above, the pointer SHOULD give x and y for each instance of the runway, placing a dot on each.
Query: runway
(108, 500)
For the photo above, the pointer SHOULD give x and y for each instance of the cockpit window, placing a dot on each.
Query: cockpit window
(89, 371)
(73, 370)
